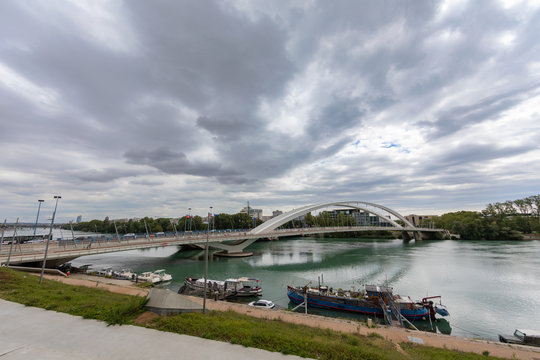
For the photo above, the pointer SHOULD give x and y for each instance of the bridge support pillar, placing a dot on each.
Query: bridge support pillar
(232, 250)
(406, 236)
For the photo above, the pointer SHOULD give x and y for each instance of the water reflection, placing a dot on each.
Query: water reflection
(489, 287)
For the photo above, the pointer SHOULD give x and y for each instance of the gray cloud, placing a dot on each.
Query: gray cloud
(171, 162)
(451, 120)
(102, 175)
(274, 94)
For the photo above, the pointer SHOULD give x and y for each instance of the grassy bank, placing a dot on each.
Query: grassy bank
(273, 335)
(76, 300)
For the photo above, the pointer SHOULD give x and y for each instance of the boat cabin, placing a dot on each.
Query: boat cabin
(241, 283)
(375, 290)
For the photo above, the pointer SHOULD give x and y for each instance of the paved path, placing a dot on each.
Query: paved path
(33, 333)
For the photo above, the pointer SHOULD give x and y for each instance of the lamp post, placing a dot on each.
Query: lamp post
(189, 227)
(206, 261)
(37, 217)
(48, 240)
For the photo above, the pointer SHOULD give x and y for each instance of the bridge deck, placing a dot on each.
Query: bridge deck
(70, 250)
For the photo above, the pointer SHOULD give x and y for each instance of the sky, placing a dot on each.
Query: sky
(148, 108)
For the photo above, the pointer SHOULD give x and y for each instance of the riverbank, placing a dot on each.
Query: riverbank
(125, 287)
(394, 335)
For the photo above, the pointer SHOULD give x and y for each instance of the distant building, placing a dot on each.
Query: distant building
(125, 220)
(79, 219)
(276, 213)
(254, 213)
(361, 218)
(419, 220)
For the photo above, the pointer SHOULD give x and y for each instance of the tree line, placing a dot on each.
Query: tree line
(508, 220)
(185, 223)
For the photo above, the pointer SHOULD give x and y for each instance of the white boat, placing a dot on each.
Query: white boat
(124, 274)
(164, 277)
(149, 277)
(106, 272)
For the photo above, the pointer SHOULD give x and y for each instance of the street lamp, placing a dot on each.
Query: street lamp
(189, 227)
(48, 240)
(206, 261)
(37, 217)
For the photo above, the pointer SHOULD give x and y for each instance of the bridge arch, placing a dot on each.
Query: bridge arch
(276, 222)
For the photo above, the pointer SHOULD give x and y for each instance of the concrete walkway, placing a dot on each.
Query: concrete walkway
(33, 333)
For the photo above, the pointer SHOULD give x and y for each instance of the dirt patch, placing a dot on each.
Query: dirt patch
(145, 318)
(5, 275)
(116, 286)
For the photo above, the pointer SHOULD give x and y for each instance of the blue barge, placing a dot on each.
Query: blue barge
(372, 300)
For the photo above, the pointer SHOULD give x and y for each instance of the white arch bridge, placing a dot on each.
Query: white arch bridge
(231, 243)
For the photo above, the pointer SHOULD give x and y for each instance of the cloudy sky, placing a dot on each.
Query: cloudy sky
(150, 107)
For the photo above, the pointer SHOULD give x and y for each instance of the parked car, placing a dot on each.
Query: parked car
(265, 304)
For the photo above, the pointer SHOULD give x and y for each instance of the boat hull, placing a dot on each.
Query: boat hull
(348, 304)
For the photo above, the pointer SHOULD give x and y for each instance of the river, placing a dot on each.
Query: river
(489, 287)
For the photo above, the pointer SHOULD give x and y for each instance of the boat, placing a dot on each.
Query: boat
(522, 337)
(437, 308)
(372, 300)
(263, 304)
(243, 286)
(149, 277)
(124, 274)
(105, 272)
(162, 275)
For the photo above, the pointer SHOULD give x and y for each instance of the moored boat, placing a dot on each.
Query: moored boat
(164, 277)
(149, 277)
(124, 274)
(522, 337)
(373, 300)
(243, 286)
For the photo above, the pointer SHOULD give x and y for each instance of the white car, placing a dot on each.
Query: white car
(265, 304)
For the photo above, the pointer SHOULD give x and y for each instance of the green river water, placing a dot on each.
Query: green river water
(489, 287)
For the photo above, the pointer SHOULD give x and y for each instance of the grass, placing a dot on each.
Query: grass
(272, 335)
(276, 335)
(421, 352)
(87, 302)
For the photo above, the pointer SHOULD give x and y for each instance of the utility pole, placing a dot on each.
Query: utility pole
(48, 240)
(174, 226)
(206, 261)
(2, 240)
(146, 227)
(189, 228)
(97, 239)
(72, 233)
(12, 241)
(116, 229)
(37, 217)
(249, 214)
